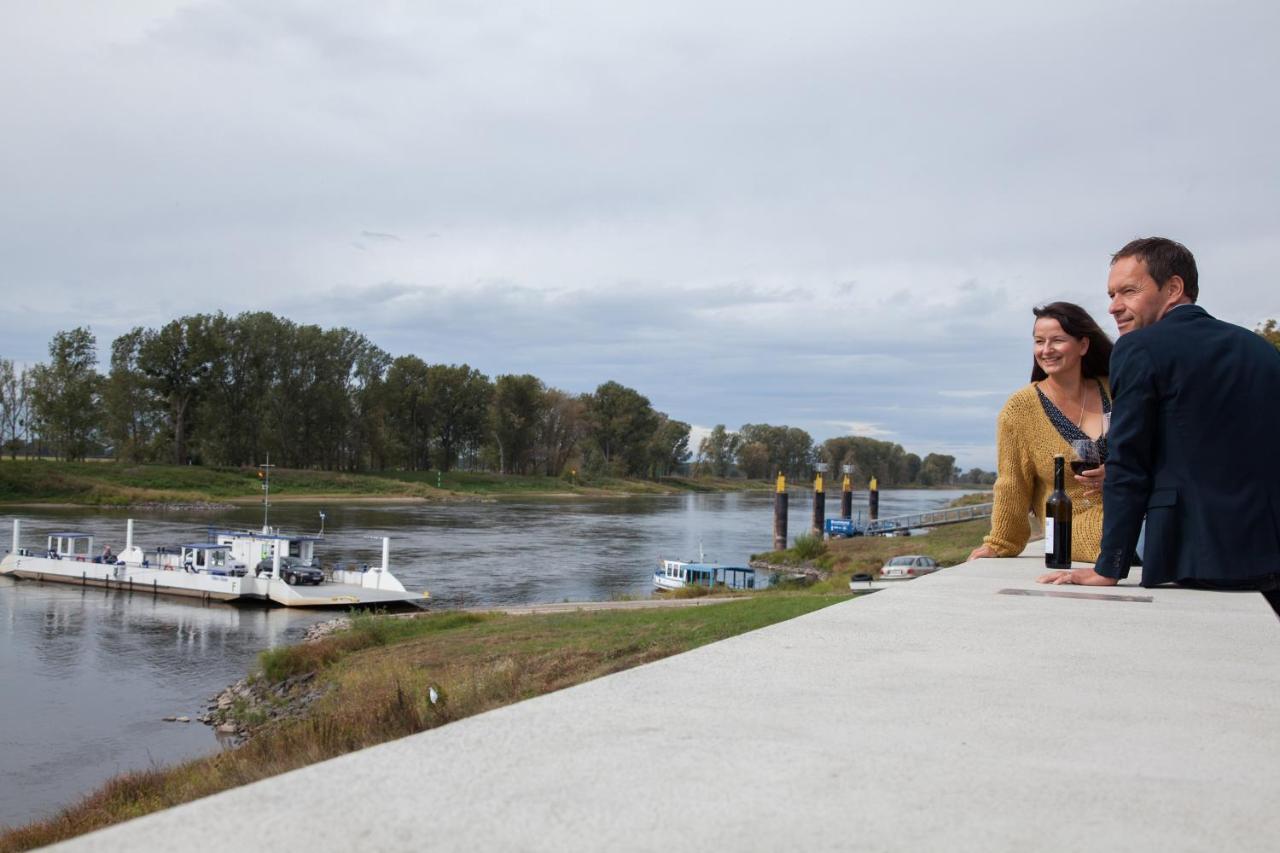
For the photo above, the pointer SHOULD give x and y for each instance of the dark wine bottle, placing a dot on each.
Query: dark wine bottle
(1057, 522)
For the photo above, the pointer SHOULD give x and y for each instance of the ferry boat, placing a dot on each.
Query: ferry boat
(265, 565)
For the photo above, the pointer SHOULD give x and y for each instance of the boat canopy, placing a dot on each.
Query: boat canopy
(258, 534)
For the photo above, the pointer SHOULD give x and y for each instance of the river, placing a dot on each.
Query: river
(87, 674)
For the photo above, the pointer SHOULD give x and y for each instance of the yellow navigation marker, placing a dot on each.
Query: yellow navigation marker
(817, 484)
(782, 483)
(848, 484)
(873, 485)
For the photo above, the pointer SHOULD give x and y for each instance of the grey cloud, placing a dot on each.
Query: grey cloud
(750, 212)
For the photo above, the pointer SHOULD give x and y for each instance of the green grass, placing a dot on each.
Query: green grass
(843, 558)
(378, 680)
(120, 484)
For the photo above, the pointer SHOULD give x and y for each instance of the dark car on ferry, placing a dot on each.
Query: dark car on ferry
(293, 572)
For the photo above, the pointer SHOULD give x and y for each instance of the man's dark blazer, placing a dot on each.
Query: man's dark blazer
(1195, 446)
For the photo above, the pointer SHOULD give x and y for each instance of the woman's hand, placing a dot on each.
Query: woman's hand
(1091, 481)
(982, 552)
(1084, 577)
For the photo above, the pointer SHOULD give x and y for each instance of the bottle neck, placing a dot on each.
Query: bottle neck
(1058, 463)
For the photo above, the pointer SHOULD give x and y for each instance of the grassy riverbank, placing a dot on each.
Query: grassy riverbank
(843, 558)
(374, 683)
(122, 484)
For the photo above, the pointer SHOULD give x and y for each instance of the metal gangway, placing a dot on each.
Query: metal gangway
(899, 523)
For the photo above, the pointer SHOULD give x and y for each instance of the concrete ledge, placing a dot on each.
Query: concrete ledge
(938, 714)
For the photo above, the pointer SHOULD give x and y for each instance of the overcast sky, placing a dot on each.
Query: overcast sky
(830, 215)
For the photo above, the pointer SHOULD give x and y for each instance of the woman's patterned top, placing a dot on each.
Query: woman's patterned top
(1067, 428)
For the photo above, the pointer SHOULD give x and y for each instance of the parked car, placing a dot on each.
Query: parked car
(907, 566)
(292, 571)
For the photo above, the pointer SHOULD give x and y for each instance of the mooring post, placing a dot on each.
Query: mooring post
(873, 500)
(780, 515)
(846, 495)
(819, 502)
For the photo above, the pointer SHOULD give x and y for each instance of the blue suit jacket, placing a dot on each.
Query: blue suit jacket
(1193, 446)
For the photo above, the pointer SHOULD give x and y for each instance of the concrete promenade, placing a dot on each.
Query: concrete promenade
(938, 714)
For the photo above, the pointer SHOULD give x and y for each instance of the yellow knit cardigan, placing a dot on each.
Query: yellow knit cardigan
(1026, 442)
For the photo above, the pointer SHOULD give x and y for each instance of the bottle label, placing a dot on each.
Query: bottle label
(1048, 535)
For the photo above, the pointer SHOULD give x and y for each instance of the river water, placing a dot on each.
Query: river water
(86, 675)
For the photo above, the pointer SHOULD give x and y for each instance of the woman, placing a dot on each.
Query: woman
(1066, 400)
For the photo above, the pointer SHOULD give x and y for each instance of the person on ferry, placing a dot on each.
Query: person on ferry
(1067, 401)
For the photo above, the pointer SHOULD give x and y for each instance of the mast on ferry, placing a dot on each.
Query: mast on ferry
(264, 474)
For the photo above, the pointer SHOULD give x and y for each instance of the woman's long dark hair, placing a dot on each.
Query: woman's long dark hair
(1077, 323)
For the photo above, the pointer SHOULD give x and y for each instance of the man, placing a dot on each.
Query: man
(1192, 439)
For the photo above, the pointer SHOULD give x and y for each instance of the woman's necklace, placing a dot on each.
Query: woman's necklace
(1080, 419)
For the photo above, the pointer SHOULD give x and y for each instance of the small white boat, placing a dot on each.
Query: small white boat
(233, 566)
(677, 574)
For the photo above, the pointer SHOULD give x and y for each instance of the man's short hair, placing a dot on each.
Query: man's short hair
(1165, 258)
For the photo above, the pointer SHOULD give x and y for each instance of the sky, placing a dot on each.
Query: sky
(829, 215)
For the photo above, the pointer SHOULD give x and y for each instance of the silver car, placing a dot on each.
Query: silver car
(907, 566)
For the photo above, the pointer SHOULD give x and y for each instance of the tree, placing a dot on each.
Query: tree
(64, 393)
(369, 436)
(979, 477)
(790, 449)
(459, 400)
(621, 424)
(237, 396)
(514, 419)
(133, 412)
(669, 447)
(409, 414)
(937, 469)
(753, 459)
(176, 359)
(1269, 331)
(15, 400)
(562, 428)
(912, 468)
(719, 448)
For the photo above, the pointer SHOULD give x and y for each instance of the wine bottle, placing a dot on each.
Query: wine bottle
(1057, 522)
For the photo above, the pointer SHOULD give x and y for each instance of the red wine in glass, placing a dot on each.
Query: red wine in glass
(1084, 457)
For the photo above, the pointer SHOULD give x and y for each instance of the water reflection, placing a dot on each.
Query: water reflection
(89, 673)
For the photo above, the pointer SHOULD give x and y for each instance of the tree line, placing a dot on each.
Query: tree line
(218, 390)
(760, 451)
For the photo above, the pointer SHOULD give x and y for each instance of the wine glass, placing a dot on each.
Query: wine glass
(1085, 457)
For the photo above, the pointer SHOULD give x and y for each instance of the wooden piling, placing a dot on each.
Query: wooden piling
(780, 515)
(819, 506)
(873, 500)
(846, 498)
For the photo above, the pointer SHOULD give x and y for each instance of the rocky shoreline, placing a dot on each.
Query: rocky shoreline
(238, 711)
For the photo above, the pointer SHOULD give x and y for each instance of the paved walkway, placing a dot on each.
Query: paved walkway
(939, 714)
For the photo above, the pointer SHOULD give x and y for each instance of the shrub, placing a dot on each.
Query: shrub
(809, 546)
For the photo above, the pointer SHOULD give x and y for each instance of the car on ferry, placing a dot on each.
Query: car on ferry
(907, 566)
(292, 570)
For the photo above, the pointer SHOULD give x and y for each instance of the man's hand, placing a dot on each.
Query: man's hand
(1091, 481)
(982, 551)
(1083, 577)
